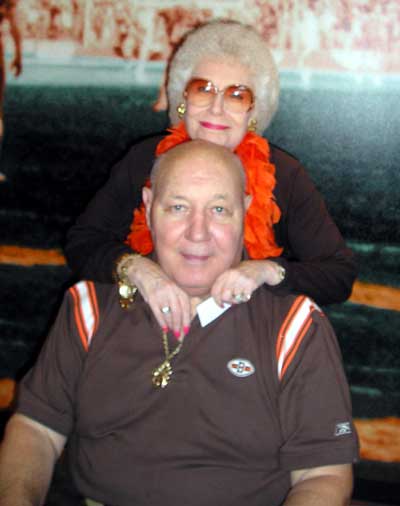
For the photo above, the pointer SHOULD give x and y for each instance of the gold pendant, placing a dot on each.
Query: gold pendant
(162, 374)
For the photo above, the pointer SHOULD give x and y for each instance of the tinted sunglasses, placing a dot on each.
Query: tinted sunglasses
(201, 92)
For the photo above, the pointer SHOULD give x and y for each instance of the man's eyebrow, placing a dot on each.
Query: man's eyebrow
(220, 196)
(178, 197)
(216, 196)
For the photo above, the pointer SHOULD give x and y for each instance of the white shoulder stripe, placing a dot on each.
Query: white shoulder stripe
(86, 309)
(298, 321)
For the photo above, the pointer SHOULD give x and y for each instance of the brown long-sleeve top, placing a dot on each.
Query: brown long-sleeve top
(317, 261)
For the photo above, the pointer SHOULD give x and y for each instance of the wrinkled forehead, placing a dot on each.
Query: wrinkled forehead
(198, 170)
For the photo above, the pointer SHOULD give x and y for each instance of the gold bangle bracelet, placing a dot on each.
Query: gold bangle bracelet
(126, 289)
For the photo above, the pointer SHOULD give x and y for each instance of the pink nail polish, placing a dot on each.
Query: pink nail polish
(186, 330)
(177, 334)
(164, 329)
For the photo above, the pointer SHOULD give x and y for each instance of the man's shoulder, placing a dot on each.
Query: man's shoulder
(292, 320)
(281, 304)
(290, 314)
(90, 303)
(87, 284)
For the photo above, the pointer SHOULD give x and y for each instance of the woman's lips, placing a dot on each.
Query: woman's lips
(213, 126)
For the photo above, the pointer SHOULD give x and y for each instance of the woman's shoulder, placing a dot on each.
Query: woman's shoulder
(289, 171)
(144, 147)
(138, 159)
(283, 160)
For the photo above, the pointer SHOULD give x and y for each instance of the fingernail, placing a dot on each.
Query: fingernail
(177, 334)
(186, 330)
(164, 329)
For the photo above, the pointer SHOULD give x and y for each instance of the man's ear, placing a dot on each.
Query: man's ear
(147, 197)
(247, 201)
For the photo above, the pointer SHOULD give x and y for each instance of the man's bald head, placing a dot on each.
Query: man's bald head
(187, 152)
(195, 210)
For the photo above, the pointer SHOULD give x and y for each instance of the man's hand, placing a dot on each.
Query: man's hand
(237, 285)
(161, 293)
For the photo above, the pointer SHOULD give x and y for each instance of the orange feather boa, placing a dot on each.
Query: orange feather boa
(259, 237)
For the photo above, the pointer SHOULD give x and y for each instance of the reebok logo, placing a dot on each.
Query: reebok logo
(341, 429)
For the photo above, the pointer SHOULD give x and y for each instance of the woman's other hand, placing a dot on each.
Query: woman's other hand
(237, 285)
(170, 304)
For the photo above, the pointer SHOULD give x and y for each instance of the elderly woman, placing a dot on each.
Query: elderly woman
(223, 84)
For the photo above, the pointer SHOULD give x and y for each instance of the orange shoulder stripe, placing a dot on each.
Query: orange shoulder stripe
(78, 320)
(292, 332)
(286, 323)
(295, 346)
(86, 311)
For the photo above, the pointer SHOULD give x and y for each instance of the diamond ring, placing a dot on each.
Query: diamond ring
(165, 309)
(242, 297)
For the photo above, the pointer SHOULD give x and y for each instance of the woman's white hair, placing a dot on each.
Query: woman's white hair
(234, 42)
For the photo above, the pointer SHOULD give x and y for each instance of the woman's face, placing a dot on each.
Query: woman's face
(214, 122)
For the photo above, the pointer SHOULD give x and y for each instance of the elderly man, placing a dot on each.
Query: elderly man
(252, 406)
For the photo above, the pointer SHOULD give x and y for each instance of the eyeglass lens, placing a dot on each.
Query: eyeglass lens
(237, 98)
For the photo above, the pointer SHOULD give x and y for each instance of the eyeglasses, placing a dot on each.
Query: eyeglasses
(201, 93)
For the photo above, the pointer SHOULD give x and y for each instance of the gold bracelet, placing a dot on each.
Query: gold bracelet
(126, 289)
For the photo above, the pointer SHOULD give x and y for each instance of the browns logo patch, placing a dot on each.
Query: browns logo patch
(241, 367)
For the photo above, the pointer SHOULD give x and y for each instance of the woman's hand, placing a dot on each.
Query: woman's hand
(170, 304)
(237, 285)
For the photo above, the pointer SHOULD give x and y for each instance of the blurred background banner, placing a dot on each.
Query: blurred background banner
(91, 76)
(353, 35)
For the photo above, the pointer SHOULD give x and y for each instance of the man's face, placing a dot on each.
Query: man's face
(196, 218)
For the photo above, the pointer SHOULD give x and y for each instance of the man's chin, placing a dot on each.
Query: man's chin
(201, 292)
(196, 290)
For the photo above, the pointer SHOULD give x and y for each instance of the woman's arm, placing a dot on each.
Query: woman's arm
(97, 239)
(316, 259)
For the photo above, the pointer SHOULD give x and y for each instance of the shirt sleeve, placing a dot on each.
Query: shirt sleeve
(97, 239)
(47, 392)
(314, 403)
(317, 261)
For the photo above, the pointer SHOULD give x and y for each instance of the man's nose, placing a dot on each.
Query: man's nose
(198, 228)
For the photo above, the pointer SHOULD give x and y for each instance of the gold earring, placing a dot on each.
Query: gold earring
(252, 125)
(181, 110)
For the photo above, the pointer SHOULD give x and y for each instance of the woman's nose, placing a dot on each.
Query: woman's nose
(217, 105)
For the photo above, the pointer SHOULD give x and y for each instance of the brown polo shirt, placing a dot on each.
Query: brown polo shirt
(258, 392)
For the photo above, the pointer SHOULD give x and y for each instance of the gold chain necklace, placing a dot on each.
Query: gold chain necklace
(162, 374)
